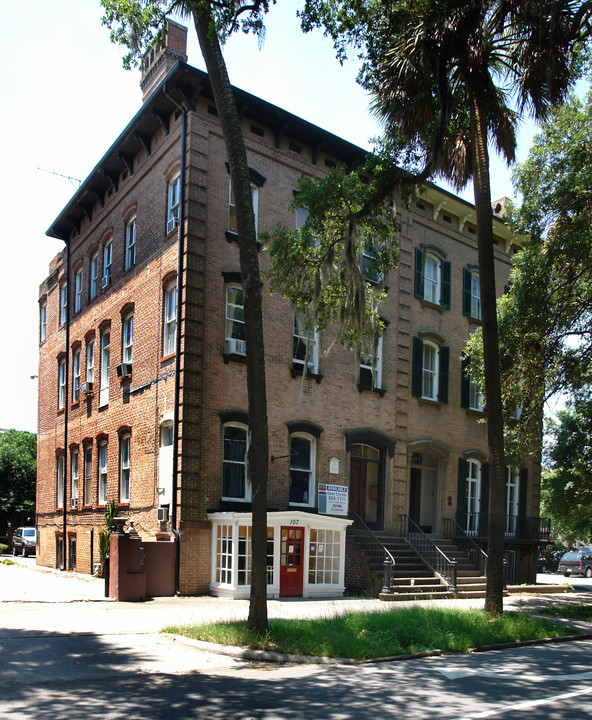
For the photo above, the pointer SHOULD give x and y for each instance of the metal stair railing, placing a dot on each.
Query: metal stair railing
(363, 531)
(429, 552)
(451, 530)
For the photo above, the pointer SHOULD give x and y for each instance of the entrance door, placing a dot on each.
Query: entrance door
(423, 492)
(291, 573)
(366, 485)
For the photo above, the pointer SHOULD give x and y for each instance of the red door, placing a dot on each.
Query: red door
(291, 561)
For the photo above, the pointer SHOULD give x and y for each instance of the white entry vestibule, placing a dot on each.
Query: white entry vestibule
(305, 554)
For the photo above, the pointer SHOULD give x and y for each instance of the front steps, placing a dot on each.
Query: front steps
(412, 579)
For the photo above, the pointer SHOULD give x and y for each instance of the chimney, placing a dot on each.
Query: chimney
(159, 60)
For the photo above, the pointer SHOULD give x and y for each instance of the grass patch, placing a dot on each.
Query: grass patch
(380, 634)
(8, 562)
(573, 612)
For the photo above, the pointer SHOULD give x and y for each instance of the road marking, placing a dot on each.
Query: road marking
(524, 705)
(454, 674)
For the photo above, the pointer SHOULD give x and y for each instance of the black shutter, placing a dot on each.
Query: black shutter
(461, 493)
(418, 272)
(417, 367)
(465, 383)
(443, 366)
(446, 272)
(467, 281)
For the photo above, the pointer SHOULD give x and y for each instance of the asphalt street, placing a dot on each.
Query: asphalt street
(69, 653)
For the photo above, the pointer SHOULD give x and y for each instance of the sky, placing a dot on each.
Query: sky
(66, 98)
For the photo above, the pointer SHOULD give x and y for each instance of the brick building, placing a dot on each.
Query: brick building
(142, 361)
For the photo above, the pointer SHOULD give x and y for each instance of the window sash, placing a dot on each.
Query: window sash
(232, 226)
(371, 365)
(102, 490)
(305, 341)
(87, 499)
(78, 291)
(76, 376)
(301, 470)
(62, 385)
(430, 372)
(43, 322)
(235, 319)
(63, 303)
(431, 280)
(90, 361)
(130, 244)
(107, 260)
(128, 339)
(60, 481)
(124, 469)
(105, 361)
(94, 276)
(174, 202)
(74, 473)
(475, 296)
(234, 463)
(170, 320)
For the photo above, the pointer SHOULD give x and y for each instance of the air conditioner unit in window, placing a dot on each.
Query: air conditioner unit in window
(235, 346)
(106, 281)
(173, 221)
(86, 388)
(124, 370)
(162, 514)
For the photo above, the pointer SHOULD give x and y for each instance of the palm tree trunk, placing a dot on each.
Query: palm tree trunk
(495, 427)
(257, 461)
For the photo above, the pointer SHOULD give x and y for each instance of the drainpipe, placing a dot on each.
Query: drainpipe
(180, 285)
(66, 405)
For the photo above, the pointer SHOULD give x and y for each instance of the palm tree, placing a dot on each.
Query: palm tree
(444, 74)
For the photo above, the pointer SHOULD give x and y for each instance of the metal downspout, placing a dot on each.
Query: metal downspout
(66, 403)
(180, 285)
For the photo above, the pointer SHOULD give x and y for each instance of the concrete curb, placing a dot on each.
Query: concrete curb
(284, 658)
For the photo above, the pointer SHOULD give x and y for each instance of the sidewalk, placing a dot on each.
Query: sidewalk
(54, 601)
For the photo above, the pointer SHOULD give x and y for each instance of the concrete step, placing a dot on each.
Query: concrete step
(401, 597)
(466, 595)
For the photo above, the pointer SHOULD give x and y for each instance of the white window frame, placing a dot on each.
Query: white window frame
(62, 384)
(512, 497)
(475, 395)
(228, 462)
(169, 339)
(107, 262)
(473, 481)
(76, 375)
(90, 361)
(125, 449)
(102, 470)
(74, 477)
(475, 296)
(310, 470)
(94, 276)
(43, 322)
(130, 243)
(371, 361)
(236, 343)
(60, 481)
(78, 284)
(430, 370)
(310, 340)
(174, 203)
(232, 227)
(432, 280)
(87, 491)
(127, 338)
(63, 302)
(105, 363)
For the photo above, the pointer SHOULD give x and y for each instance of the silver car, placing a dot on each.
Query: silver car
(24, 541)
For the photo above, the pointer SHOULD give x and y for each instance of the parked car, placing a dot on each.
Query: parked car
(576, 562)
(549, 562)
(24, 541)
